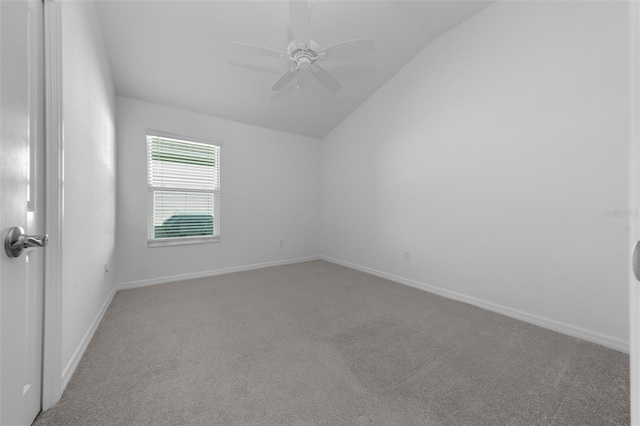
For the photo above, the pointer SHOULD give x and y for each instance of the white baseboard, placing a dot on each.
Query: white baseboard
(77, 355)
(211, 273)
(570, 330)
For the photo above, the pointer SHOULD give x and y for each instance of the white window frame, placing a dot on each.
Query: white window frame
(163, 242)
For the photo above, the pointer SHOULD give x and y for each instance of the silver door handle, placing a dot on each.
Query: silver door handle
(16, 241)
(635, 259)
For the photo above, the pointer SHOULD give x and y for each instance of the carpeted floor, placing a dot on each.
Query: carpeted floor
(318, 344)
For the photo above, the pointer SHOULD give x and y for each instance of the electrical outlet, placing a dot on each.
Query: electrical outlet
(281, 243)
(407, 255)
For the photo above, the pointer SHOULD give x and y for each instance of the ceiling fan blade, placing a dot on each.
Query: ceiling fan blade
(349, 49)
(326, 79)
(300, 22)
(304, 78)
(260, 50)
(284, 79)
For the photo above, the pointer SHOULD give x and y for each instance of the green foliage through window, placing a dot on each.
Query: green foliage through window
(184, 188)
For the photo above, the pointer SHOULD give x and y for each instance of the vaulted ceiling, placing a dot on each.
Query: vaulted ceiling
(181, 54)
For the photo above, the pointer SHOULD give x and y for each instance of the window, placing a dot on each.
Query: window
(183, 190)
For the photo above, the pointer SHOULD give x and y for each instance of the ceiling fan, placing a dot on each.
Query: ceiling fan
(306, 53)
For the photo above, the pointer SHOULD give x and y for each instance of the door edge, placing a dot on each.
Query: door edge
(54, 206)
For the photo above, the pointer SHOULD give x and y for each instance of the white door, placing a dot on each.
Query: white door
(634, 204)
(21, 204)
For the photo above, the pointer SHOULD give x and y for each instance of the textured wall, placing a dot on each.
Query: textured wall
(270, 185)
(492, 156)
(89, 174)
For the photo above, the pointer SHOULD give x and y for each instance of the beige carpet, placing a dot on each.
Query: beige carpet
(319, 344)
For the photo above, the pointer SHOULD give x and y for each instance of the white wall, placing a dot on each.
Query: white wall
(270, 183)
(89, 179)
(492, 156)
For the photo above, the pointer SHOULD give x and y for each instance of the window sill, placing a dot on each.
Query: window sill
(182, 241)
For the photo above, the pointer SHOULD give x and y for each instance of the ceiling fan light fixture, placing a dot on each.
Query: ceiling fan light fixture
(304, 63)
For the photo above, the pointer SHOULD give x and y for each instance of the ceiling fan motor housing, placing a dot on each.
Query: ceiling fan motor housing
(303, 57)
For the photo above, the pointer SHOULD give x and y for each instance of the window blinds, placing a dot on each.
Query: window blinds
(183, 188)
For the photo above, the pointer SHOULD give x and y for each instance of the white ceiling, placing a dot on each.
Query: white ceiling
(180, 53)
